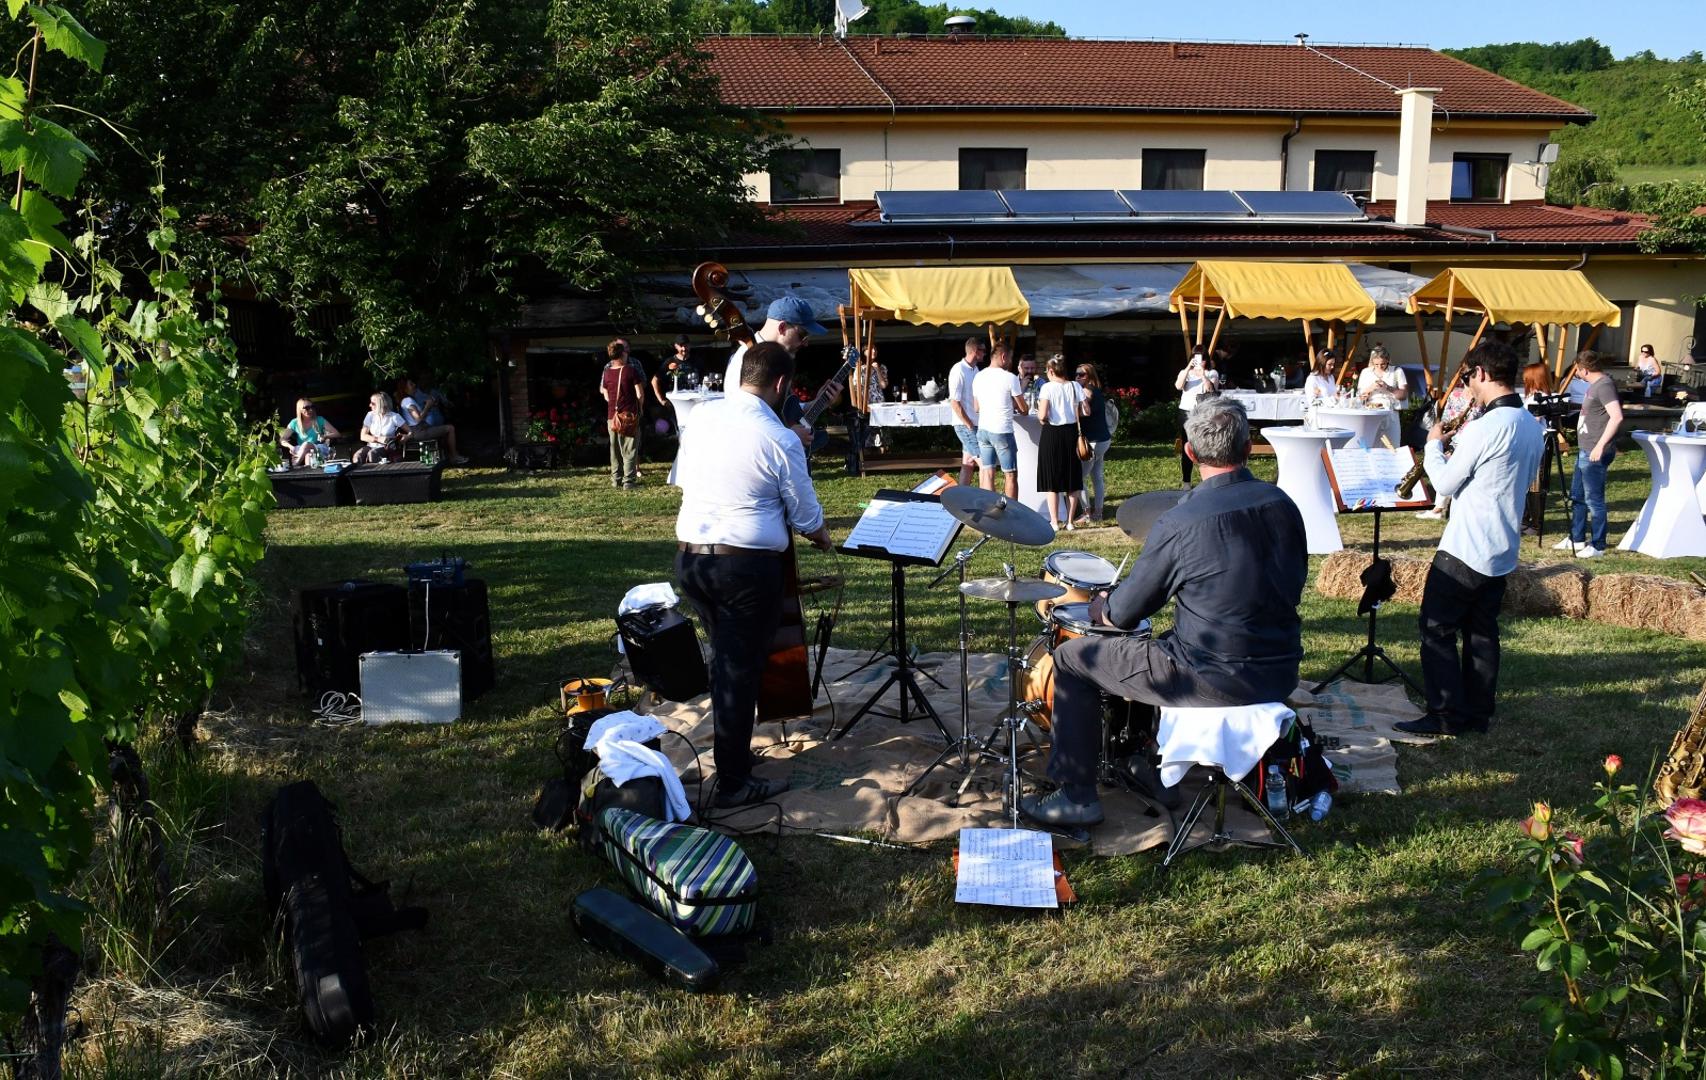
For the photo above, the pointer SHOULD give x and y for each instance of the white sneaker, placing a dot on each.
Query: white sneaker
(1566, 544)
(1590, 553)
(1431, 515)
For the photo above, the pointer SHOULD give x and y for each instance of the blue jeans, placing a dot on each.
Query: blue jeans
(1651, 387)
(968, 441)
(997, 447)
(1587, 493)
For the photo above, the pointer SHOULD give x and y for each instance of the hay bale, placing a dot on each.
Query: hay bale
(1648, 602)
(1548, 589)
(1341, 576)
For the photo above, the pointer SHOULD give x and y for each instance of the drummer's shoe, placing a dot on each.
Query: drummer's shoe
(1146, 780)
(1056, 809)
(1435, 724)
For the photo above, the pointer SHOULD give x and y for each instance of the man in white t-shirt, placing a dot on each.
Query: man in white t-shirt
(996, 396)
(960, 401)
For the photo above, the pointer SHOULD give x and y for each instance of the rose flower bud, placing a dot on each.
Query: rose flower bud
(1612, 764)
(1539, 825)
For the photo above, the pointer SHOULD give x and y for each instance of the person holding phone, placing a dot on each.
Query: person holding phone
(1199, 379)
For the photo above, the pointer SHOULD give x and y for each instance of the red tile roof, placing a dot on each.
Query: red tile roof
(869, 72)
(850, 231)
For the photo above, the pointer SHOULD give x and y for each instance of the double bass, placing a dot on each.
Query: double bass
(785, 688)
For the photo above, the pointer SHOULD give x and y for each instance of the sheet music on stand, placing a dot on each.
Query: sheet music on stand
(1007, 868)
(1367, 478)
(903, 526)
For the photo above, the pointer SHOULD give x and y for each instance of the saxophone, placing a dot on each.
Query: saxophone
(1446, 431)
(1683, 774)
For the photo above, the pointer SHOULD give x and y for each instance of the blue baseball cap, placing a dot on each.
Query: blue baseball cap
(791, 309)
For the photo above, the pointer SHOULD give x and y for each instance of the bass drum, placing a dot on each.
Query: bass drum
(1066, 621)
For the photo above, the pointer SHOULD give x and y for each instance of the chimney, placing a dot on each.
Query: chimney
(960, 25)
(1415, 139)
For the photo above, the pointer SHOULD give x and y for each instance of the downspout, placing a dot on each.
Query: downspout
(1285, 152)
(1582, 263)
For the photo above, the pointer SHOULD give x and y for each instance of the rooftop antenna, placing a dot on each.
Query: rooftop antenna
(847, 11)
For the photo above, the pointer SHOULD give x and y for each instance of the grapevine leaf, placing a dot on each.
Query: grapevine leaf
(14, 6)
(45, 153)
(62, 33)
(43, 219)
(82, 337)
(13, 95)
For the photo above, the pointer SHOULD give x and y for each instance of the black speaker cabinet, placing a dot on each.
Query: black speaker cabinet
(663, 652)
(455, 617)
(338, 622)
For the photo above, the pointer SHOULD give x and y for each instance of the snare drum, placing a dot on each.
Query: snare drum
(1080, 572)
(1067, 621)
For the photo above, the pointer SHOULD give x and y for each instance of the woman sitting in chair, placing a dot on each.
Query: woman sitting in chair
(382, 432)
(307, 431)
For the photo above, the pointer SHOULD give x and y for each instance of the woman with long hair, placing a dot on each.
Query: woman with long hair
(307, 429)
(1099, 437)
(1060, 406)
(1197, 379)
(382, 431)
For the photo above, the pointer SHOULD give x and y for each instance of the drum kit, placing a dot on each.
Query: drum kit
(1061, 597)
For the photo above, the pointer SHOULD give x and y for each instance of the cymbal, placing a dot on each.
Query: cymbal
(997, 515)
(1138, 514)
(1017, 591)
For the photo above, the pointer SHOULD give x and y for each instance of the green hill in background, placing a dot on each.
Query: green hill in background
(1640, 130)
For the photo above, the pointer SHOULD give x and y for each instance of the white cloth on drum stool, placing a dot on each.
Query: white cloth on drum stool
(1232, 737)
(617, 739)
(645, 596)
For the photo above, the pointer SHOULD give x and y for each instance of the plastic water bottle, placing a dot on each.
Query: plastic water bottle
(1320, 805)
(1275, 794)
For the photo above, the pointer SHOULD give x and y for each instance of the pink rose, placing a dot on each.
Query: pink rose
(1539, 825)
(1687, 819)
(1572, 849)
(1612, 764)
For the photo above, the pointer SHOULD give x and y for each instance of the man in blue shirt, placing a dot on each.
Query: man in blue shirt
(1232, 557)
(1494, 460)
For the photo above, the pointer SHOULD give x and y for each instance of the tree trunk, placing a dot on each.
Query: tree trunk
(42, 1041)
(137, 831)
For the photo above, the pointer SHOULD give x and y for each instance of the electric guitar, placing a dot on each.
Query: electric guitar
(826, 396)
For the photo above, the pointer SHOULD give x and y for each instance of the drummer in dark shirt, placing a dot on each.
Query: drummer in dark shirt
(1232, 557)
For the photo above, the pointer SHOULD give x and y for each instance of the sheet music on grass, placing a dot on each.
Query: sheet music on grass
(1006, 867)
(1367, 478)
(903, 525)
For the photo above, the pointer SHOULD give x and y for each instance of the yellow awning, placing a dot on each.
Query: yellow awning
(942, 295)
(1275, 290)
(1535, 297)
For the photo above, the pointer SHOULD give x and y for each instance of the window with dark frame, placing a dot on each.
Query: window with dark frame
(806, 176)
(1173, 169)
(1478, 177)
(1349, 171)
(985, 168)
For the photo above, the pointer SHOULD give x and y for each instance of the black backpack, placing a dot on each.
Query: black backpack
(326, 909)
(582, 792)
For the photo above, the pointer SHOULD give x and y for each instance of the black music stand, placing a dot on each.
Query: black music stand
(1367, 484)
(895, 530)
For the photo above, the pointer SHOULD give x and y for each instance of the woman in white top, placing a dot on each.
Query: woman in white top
(1321, 386)
(1652, 375)
(1061, 403)
(1383, 386)
(1198, 378)
(382, 432)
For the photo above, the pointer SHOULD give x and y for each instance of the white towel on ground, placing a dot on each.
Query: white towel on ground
(1233, 737)
(617, 740)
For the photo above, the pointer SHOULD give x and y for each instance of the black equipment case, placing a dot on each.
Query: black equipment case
(663, 652)
(338, 622)
(617, 925)
(455, 615)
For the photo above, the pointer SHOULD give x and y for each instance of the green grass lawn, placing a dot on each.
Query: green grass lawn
(1367, 959)
(1658, 174)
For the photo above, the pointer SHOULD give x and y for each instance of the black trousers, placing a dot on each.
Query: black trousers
(739, 598)
(1460, 602)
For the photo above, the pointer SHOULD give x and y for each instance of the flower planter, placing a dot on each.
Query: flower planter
(531, 456)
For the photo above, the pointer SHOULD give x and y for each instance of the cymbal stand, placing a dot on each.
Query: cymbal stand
(965, 746)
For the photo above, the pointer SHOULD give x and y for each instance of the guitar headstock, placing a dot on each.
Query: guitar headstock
(721, 314)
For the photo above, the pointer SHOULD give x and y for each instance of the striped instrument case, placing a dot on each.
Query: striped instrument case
(699, 880)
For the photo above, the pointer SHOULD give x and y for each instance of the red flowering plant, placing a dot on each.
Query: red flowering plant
(1615, 921)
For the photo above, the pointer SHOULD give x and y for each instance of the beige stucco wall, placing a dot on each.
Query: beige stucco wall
(1094, 152)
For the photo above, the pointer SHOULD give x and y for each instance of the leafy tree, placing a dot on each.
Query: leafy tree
(1572, 178)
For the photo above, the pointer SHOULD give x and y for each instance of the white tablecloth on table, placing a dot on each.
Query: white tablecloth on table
(1303, 477)
(684, 402)
(1286, 405)
(912, 414)
(1670, 525)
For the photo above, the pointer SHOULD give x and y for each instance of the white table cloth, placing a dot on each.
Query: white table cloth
(912, 414)
(1285, 405)
(1303, 476)
(1364, 424)
(684, 402)
(1670, 524)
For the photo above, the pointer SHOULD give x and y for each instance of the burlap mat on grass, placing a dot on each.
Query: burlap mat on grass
(855, 784)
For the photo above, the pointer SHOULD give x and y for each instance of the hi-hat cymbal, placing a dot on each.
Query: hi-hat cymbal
(997, 516)
(1138, 514)
(1016, 591)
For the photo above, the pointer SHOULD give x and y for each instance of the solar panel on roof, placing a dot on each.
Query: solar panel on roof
(1067, 204)
(1195, 204)
(940, 204)
(1302, 204)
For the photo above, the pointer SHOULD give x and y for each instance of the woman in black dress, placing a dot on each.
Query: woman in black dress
(1060, 405)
